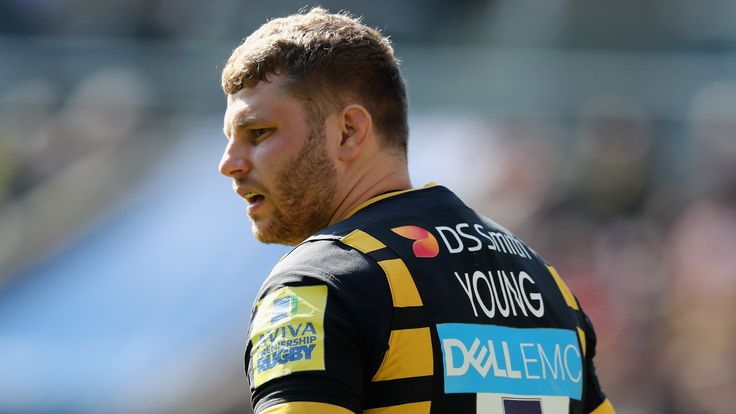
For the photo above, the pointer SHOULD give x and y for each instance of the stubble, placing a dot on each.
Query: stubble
(306, 190)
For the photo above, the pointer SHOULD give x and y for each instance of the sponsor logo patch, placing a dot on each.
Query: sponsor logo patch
(288, 333)
(425, 244)
(518, 361)
(462, 238)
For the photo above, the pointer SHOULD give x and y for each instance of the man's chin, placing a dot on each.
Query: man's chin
(266, 234)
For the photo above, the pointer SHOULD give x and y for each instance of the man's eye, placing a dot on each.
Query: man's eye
(257, 132)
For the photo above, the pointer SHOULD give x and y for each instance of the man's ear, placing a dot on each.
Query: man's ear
(356, 125)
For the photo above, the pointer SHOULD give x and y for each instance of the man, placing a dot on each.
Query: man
(394, 300)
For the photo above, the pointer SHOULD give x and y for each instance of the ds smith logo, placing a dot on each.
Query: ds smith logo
(425, 244)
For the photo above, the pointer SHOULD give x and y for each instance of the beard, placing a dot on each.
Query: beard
(303, 197)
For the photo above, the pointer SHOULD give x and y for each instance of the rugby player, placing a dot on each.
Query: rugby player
(393, 299)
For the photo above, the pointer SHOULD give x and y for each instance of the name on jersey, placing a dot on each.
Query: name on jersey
(287, 333)
(501, 293)
(519, 361)
(472, 238)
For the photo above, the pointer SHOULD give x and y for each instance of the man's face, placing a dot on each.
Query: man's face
(279, 163)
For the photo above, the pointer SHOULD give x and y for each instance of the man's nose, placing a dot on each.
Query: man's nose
(234, 160)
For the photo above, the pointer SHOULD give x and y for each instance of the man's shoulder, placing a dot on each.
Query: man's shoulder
(321, 260)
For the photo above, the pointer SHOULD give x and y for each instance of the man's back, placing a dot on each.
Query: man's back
(415, 304)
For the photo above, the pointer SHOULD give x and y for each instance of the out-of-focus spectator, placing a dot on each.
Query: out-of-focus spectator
(701, 300)
(611, 165)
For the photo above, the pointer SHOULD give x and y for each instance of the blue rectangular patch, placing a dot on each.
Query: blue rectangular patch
(519, 361)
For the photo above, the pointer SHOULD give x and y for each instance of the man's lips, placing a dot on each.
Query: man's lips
(249, 196)
(255, 201)
(252, 197)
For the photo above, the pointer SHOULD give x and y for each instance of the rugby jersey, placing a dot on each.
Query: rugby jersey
(416, 304)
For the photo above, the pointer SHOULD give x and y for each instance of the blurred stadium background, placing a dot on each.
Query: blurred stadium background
(603, 133)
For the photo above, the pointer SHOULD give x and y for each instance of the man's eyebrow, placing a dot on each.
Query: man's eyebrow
(242, 121)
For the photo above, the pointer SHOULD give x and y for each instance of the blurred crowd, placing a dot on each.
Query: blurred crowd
(639, 217)
(636, 211)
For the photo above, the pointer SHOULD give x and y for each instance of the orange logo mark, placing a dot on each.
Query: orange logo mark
(425, 244)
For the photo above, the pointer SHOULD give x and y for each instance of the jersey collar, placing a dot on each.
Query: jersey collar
(385, 196)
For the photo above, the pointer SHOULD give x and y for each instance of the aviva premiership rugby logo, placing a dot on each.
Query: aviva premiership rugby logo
(425, 244)
(287, 332)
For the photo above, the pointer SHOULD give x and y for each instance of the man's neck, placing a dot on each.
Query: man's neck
(371, 184)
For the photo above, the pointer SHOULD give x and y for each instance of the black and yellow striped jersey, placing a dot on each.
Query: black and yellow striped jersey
(415, 304)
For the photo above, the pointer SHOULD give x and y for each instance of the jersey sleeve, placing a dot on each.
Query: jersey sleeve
(594, 400)
(318, 329)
